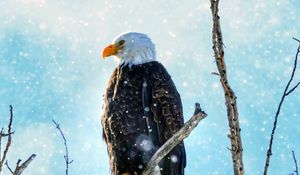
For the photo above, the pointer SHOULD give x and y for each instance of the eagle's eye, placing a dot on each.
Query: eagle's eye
(121, 42)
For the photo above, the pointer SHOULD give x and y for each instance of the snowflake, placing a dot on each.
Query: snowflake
(174, 159)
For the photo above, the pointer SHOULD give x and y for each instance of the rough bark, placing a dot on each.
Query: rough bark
(230, 98)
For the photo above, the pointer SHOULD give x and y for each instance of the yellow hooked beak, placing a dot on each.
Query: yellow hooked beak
(109, 51)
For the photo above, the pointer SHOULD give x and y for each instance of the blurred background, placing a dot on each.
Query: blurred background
(51, 68)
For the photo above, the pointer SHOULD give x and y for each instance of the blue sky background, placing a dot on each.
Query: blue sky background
(50, 68)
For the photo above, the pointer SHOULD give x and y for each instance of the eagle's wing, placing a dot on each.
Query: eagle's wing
(167, 113)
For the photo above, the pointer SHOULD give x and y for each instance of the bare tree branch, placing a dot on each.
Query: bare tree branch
(230, 98)
(177, 138)
(1, 133)
(296, 39)
(296, 164)
(8, 167)
(20, 168)
(66, 156)
(5, 135)
(292, 89)
(215, 73)
(286, 92)
(8, 143)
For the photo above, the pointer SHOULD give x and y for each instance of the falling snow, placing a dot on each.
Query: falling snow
(51, 67)
(146, 109)
(144, 143)
(144, 84)
(174, 158)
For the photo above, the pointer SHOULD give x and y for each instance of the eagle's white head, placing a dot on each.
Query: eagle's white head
(131, 48)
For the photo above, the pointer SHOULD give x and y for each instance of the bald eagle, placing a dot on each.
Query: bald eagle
(142, 109)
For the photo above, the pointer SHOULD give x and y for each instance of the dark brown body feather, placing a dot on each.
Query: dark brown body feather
(142, 109)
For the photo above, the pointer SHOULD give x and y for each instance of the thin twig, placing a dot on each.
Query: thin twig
(230, 98)
(177, 138)
(292, 89)
(215, 73)
(296, 39)
(1, 133)
(5, 135)
(8, 143)
(286, 92)
(295, 162)
(6, 163)
(17, 166)
(66, 156)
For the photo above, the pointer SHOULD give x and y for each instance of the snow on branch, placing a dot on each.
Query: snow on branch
(177, 138)
(66, 156)
(287, 91)
(230, 98)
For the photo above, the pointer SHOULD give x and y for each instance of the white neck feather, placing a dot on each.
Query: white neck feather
(141, 56)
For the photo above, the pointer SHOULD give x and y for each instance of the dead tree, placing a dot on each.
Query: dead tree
(19, 167)
(230, 98)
